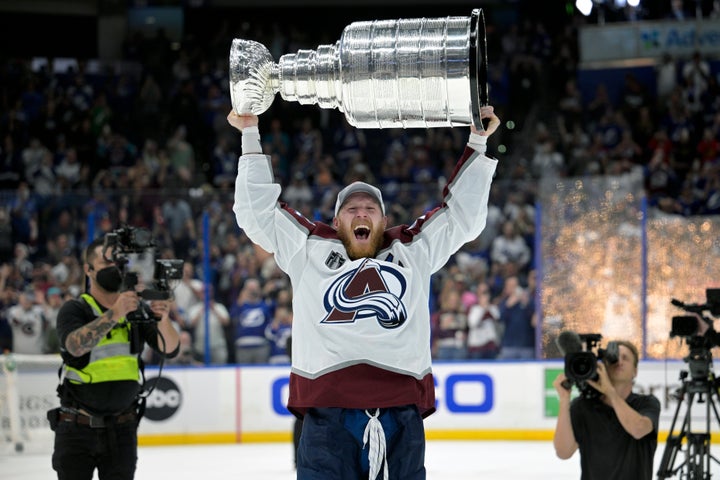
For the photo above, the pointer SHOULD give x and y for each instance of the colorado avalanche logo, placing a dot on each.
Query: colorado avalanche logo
(370, 291)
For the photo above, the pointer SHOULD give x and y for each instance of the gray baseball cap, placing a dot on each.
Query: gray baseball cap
(359, 187)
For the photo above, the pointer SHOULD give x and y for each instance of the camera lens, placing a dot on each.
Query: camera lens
(581, 366)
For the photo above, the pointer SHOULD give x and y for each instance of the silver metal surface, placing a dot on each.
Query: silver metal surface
(406, 73)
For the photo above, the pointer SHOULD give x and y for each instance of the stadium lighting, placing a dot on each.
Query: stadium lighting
(584, 6)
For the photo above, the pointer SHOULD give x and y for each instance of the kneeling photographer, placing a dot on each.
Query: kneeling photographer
(615, 429)
(101, 335)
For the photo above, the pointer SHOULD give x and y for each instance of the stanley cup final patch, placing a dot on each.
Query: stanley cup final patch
(335, 260)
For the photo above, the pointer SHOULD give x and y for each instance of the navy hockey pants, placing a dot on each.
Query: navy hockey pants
(331, 444)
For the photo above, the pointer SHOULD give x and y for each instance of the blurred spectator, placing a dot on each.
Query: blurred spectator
(10, 164)
(547, 160)
(182, 157)
(298, 191)
(348, 144)
(224, 163)
(44, 179)
(24, 210)
(644, 129)
(69, 172)
(21, 262)
(186, 355)
(177, 216)
(6, 240)
(696, 73)
(217, 318)
(484, 327)
(712, 198)
(708, 149)
(67, 272)
(634, 97)
(510, 247)
(516, 316)
(570, 105)
(32, 158)
(115, 152)
(661, 182)
(449, 327)
(684, 154)
(308, 141)
(150, 101)
(677, 11)
(52, 302)
(711, 106)
(188, 293)
(599, 106)
(29, 325)
(100, 113)
(7, 299)
(278, 333)
(666, 78)
(626, 154)
(64, 224)
(251, 316)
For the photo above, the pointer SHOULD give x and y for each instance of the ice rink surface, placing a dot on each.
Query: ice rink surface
(445, 460)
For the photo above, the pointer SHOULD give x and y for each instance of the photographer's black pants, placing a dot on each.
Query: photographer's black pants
(80, 449)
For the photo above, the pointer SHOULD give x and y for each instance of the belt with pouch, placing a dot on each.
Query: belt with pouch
(93, 421)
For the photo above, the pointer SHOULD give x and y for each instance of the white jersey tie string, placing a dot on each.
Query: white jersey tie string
(375, 435)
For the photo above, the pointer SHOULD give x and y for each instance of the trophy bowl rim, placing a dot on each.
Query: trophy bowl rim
(478, 65)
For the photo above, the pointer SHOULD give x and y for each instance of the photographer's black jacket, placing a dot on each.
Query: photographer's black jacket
(106, 397)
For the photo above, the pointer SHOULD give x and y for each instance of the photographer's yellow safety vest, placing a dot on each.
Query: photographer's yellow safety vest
(110, 359)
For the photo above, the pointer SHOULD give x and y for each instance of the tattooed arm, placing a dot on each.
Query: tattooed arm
(81, 340)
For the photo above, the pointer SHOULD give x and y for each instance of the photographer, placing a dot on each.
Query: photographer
(616, 431)
(96, 425)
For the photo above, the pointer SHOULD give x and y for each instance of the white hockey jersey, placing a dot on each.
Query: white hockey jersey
(361, 329)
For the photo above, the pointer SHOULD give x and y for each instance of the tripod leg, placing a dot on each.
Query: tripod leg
(717, 417)
(672, 447)
(673, 443)
(698, 446)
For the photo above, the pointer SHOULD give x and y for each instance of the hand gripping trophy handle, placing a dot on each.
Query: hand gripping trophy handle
(407, 73)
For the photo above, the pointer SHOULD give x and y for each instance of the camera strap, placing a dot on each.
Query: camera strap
(142, 395)
(145, 392)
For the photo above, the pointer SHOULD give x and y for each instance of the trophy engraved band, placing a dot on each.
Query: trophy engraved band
(406, 73)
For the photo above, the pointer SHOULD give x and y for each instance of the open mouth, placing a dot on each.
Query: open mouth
(361, 232)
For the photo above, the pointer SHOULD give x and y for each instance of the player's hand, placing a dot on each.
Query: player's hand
(242, 121)
(487, 112)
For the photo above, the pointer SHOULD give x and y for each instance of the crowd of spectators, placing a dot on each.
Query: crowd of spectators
(87, 150)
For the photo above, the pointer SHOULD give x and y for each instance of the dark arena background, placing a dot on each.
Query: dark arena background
(603, 216)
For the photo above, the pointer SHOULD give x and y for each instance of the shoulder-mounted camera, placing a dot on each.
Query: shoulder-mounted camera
(133, 251)
(582, 355)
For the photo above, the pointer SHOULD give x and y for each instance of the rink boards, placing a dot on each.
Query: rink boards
(475, 400)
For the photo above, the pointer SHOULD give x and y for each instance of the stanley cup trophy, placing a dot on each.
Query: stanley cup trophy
(407, 73)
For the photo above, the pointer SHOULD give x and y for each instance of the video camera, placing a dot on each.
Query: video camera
(123, 245)
(581, 360)
(686, 326)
